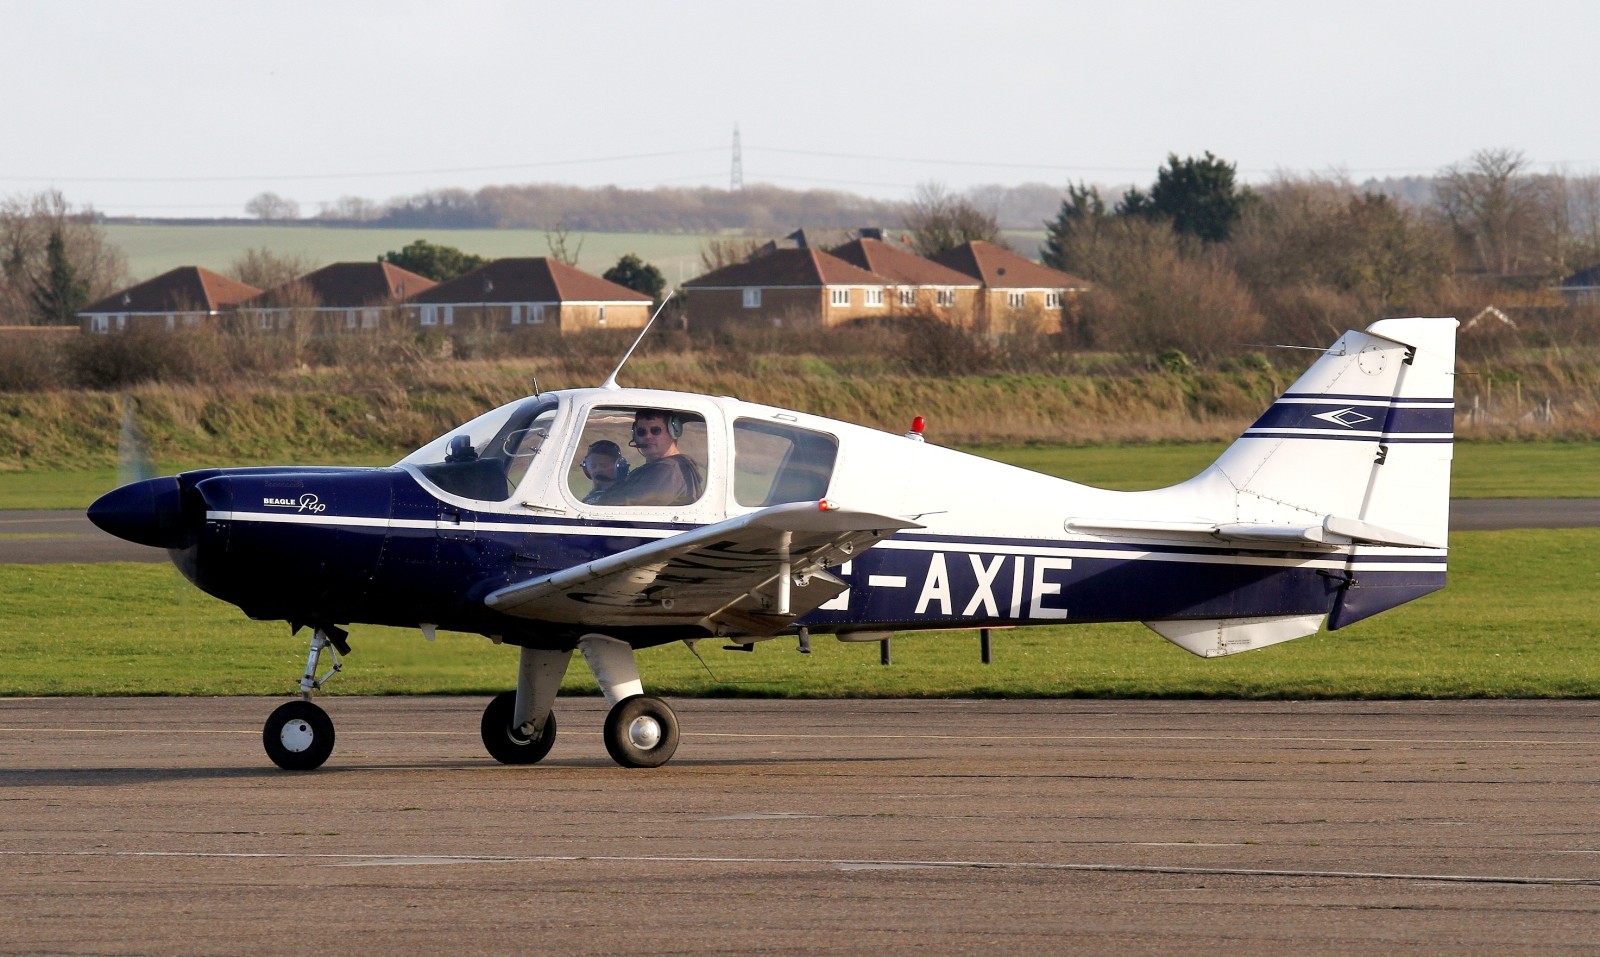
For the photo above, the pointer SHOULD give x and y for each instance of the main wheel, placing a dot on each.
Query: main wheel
(641, 732)
(507, 745)
(298, 736)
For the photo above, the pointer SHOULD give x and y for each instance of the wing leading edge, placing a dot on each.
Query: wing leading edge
(752, 575)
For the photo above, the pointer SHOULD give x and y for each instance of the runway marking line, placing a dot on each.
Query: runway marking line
(393, 860)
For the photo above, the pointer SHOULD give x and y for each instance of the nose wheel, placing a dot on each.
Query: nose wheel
(298, 736)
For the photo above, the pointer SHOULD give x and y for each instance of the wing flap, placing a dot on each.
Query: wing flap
(754, 574)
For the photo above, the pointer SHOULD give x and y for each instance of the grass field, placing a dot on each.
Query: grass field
(1482, 470)
(152, 250)
(1517, 620)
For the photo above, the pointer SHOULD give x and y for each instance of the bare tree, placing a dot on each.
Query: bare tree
(1499, 213)
(939, 221)
(350, 209)
(264, 269)
(272, 208)
(717, 253)
(556, 238)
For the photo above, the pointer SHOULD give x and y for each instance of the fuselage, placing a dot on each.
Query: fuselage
(423, 542)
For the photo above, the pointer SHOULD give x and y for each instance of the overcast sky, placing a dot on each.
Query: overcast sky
(191, 107)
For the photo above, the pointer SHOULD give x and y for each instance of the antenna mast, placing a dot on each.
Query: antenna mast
(736, 181)
(611, 381)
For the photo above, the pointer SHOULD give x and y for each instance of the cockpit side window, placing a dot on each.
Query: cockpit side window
(774, 463)
(640, 457)
(487, 458)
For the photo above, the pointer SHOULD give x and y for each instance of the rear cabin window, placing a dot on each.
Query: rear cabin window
(774, 463)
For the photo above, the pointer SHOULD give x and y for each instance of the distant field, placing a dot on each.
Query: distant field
(152, 250)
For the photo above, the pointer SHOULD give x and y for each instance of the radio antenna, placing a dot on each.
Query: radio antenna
(611, 381)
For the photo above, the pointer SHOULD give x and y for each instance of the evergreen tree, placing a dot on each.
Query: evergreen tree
(60, 293)
(636, 274)
(1081, 211)
(439, 263)
(1197, 196)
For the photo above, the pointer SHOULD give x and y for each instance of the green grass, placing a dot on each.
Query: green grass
(1516, 621)
(154, 249)
(1482, 470)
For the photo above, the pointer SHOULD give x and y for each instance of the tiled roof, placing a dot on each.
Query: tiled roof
(353, 284)
(1003, 269)
(538, 279)
(789, 267)
(898, 265)
(185, 289)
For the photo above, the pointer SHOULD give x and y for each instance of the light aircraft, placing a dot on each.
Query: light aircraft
(1332, 507)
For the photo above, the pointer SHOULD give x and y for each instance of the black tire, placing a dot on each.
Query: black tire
(503, 743)
(298, 736)
(641, 732)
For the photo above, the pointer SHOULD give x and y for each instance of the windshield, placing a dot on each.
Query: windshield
(487, 458)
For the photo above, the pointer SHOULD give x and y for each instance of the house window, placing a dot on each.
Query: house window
(602, 320)
(449, 315)
(1052, 300)
(101, 324)
(752, 298)
(349, 318)
(1016, 300)
(369, 318)
(536, 314)
(946, 297)
(908, 297)
(874, 297)
(430, 315)
(264, 319)
(839, 297)
(516, 314)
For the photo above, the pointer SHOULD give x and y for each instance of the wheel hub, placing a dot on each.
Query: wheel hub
(644, 732)
(297, 735)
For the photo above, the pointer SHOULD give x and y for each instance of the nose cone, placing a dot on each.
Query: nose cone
(148, 513)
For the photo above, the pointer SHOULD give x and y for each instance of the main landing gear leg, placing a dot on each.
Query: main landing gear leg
(298, 736)
(641, 731)
(518, 726)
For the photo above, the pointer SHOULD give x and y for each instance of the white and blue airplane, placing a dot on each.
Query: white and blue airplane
(611, 519)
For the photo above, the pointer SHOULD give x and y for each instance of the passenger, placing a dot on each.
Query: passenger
(604, 466)
(667, 477)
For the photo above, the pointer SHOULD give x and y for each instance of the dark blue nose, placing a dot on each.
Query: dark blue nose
(148, 512)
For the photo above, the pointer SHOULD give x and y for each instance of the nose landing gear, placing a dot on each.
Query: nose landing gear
(298, 735)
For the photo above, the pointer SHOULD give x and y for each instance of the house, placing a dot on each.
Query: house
(806, 287)
(1015, 289)
(917, 285)
(184, 296)
(339, 296)
(537, 292)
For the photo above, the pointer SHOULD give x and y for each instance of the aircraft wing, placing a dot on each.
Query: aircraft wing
(751, 575)
(1332, 532)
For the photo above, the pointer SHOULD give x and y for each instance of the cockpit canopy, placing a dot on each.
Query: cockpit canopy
(617, 454)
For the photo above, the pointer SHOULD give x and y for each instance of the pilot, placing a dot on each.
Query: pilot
(667, 477)
(604, 466)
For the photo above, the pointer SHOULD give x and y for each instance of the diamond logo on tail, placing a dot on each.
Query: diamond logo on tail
(1349, 418)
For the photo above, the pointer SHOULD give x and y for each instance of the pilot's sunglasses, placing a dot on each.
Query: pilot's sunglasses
(652, 430)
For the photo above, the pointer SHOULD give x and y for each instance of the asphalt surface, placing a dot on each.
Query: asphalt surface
(156, 826)
(41, 537)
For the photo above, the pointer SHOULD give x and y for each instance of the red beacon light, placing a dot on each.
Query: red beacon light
(917, 425)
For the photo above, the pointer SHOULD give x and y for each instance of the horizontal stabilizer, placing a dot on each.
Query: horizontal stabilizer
(1334, 531)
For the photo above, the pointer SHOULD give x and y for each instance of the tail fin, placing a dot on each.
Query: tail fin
(1362, 440)
(1356, 452)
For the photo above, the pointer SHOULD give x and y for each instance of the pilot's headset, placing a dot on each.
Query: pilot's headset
(605, 447)
(674, 425)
